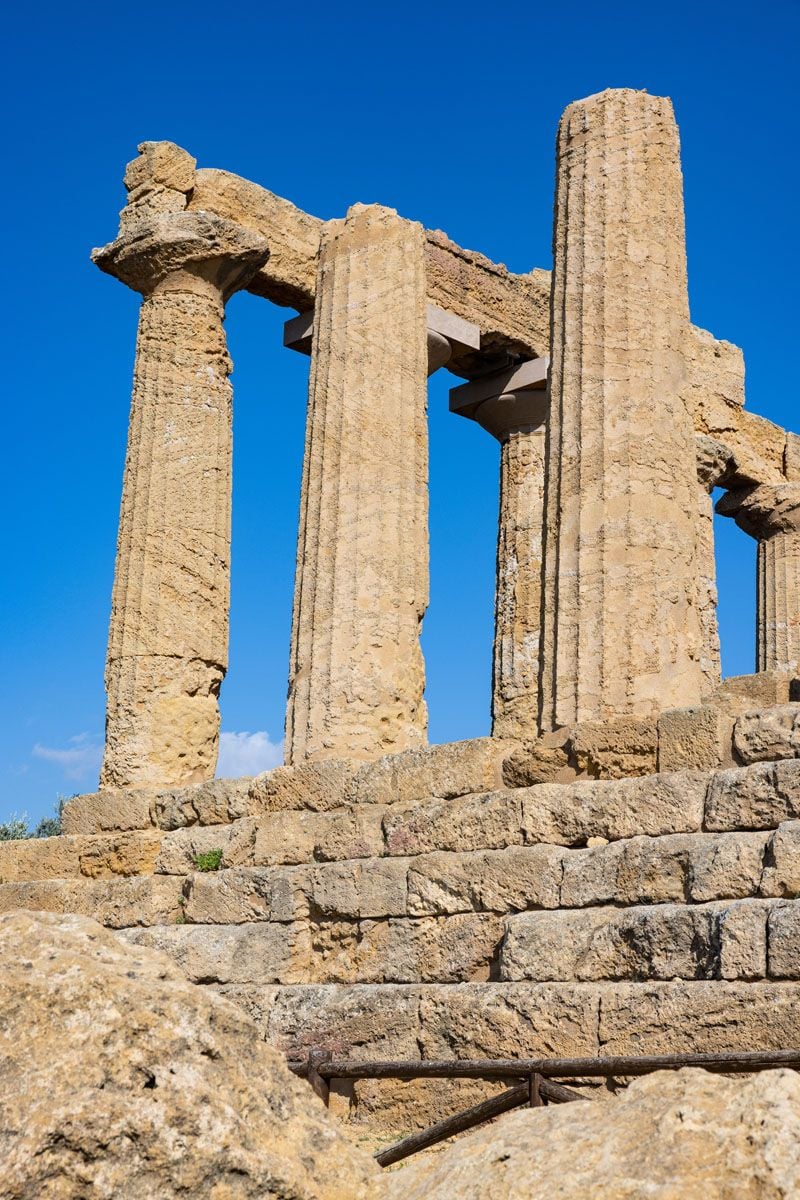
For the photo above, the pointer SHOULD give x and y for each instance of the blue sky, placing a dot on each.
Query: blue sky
(444, 111)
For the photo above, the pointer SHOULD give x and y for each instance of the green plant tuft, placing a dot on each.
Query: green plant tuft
(210, 861)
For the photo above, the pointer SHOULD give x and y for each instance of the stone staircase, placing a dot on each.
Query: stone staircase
(419, 907)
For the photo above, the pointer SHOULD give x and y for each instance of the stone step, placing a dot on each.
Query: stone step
(688, 868)
(743, 939)
(740, 939)
(759, 797)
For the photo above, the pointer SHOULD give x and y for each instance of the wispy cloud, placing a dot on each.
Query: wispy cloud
(78, 759)
(247, 754)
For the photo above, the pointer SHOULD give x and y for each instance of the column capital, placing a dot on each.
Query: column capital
(715, 462)
(199, 245)
(763, 510)
(510, 401)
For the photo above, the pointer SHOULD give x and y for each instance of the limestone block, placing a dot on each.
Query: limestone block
(505, 1020)
(784, 940)
(569, 814)
(500, 881)
(768, 735)
(728, 866)
(361, 888)
(690, 738)
(487, 822)
(781, 874)
(351, 833)
(358, 1021)
(443, 772)
(216, 802)
(241, 894)
(117, 903)
(756, 797)
(700, 1016)
(318, 786)
(180, 847)
(71, 856)
(615, 749)
(286, 837)
(545, 760)
(256, 953)
(356, 671)
(745, 693)
(664, 942)
(436, 949)
(621, 632)
(101, 812)
(161, 163)
(639, 870)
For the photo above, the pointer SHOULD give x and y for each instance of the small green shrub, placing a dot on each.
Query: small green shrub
(210, 861)
(17, 829)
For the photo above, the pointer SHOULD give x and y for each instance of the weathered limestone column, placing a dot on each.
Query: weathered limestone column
(168, 642)
(771, 514)
(714, 462)
(356, 673)
(512, 406)
(621, 634)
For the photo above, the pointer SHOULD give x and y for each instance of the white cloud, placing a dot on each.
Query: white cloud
(247, 754)
(81, 757)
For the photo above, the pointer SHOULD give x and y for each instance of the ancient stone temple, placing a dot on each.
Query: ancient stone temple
(617, 867)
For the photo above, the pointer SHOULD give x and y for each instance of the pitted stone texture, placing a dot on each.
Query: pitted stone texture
(621, 630)
(356, 673)
(757, 797)
(239, 895)
(118, 1078)
(667, 941)
(615, 749)
(569, 814)
(168, 641)
(116, 903)
(770, 734)
(489, 880)
(693, 738)
(518, 593)
(69, 857)
(784, 941)
(440, 772)
(686, 1133)
(318, 786)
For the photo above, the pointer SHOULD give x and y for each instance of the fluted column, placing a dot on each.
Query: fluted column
(771, 514)
(168, 641)
(621, 633)
(356, 673)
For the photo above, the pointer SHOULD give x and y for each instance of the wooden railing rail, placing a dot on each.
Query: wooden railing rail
(539, 1086)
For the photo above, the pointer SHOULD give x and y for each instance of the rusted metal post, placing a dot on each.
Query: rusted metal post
(535, 1099)
(320, 1085)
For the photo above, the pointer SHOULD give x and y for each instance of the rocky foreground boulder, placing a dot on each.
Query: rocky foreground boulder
(118, 1078)
(684, 1135)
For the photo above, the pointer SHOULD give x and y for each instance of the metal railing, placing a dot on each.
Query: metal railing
(536, 1081)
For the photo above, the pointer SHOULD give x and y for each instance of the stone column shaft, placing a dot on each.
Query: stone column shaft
(356, 675)
(168, 640)
(621, 633)
(771, 514)
(714, 461)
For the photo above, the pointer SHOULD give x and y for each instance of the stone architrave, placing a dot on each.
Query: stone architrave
(356, 672)
(771, 514)
(512, 405)
(168, 641)
(714, 464)
(621, 633)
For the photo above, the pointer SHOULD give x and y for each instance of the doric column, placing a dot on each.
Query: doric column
(714, 462)
(512, 406)
(771, 514)
(356, 673)
(621, 634)
(168, 642)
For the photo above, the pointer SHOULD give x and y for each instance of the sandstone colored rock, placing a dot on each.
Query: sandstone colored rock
(318, 786)
(439, 772)
(685, 1133)
(615, 749)
(621, 635)
(500, 881)
(781, 874)
(769, 734)
(168, 641)
(356, 669)
(693, 738)
(115, 903)
(110, 1060)
(666, 941)
(759, 797)
(68, 857)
